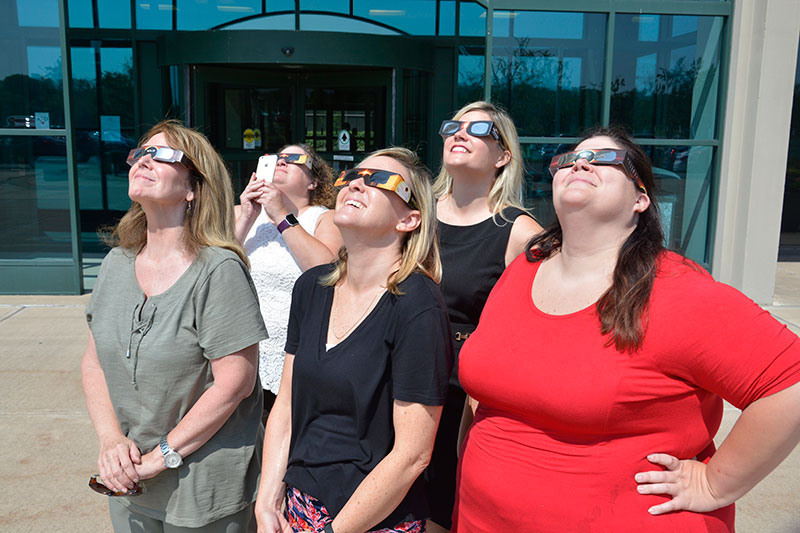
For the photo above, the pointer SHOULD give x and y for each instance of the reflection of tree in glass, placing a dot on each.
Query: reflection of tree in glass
(547, 94)
(662, 109)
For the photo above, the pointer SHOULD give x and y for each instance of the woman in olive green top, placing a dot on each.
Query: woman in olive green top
(171, 364)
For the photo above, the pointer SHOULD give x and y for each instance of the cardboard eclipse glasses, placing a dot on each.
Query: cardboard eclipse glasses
(382, 179)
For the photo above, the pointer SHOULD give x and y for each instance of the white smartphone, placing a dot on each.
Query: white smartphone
(266, 167)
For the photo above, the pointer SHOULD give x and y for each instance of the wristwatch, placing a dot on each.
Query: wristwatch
(287, 223)
(328, 528)
(172, 459)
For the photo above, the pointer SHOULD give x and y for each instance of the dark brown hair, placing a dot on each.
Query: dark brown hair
(623, 307)
(324, 193)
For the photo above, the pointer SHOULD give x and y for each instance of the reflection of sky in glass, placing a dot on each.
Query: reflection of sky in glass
(473, 20)
(470, 69)
(205, 14)
(416, 17)
(447, 17)
(344, 24)
(280, 5)
(687, 53)
(538, 24)
(83, 63)
(80, 13)
(334, 6)
(42, 13)
(682, 25)
(270, 22)
(154, 14)
(44, 62)
(113, 14)
(645, 72)
(118, 60)
(648, 27)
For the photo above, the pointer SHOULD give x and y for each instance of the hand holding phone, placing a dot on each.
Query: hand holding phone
(266, 167)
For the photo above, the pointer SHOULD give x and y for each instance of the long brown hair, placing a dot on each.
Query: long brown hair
(623, 307)
(209, 220)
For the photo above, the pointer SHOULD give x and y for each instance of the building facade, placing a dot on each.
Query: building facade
(706, 86)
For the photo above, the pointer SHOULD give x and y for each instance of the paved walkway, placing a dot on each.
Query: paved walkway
(49, 448)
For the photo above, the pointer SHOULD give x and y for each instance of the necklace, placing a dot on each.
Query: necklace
(340, 336)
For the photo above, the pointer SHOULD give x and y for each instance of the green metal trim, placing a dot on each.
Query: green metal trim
(487, 72)
(32, 132)
(608, 69)
(714, 198)
(38, 276)
(72, 169)
(666, 7)
(641, 141)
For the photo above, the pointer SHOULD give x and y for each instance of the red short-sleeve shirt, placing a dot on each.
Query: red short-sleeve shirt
(565, 420)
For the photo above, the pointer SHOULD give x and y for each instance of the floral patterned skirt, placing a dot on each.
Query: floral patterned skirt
(306, 513)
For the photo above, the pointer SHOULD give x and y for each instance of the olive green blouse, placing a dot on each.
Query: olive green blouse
(155, 352)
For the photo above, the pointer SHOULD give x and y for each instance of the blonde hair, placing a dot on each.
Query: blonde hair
(420, 248)
(506, 190)
(209, 217)
(324, 193)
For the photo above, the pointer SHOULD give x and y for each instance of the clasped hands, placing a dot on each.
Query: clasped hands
(258, 194)
(122, 465)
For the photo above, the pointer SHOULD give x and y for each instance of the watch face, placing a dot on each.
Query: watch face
(173, 460)
(291, 219)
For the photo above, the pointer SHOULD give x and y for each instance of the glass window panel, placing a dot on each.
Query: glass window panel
(113, 14)
(30, 83)
(41, 13)
(269, 22)
(34, 198)
(280, 5)
(334, 6)
(471, 71)
(154, 14)
(790, 219)
(80, 13)
(447, 17)
(683, 177)
(472, 20)
(415, 17)
(205, 14)
(549, 81)
(667, 88)
(539, 24)
(648, 27)
(344, 24)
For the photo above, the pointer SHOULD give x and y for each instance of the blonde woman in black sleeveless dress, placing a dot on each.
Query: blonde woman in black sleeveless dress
(482, 228)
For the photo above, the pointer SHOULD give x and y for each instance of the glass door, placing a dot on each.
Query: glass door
(250, 110)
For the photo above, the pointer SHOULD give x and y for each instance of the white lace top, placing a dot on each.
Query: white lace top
(274, 272)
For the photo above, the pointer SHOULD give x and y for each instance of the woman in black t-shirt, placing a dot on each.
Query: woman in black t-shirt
(368, 358)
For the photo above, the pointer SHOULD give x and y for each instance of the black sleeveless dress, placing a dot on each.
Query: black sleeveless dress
(473, 258)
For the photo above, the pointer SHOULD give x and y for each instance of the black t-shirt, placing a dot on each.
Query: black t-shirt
(342, 398)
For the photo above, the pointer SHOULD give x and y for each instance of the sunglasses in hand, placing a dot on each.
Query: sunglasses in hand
(97, 485)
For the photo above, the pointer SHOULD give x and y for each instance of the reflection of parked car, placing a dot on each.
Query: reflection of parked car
(679, 155)
(21, 121)
(50, 145)
(88, 144)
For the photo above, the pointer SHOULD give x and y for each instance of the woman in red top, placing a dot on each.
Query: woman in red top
(600, 364)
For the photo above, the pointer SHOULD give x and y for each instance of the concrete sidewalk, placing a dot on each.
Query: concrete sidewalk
(49, 449)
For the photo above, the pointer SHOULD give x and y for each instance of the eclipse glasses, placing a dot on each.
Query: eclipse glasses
(476, 128)
(165, 154)
(297, 159)
(382, 179)
(604, 156)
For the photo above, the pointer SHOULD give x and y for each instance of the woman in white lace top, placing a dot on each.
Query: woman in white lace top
(286, 228)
